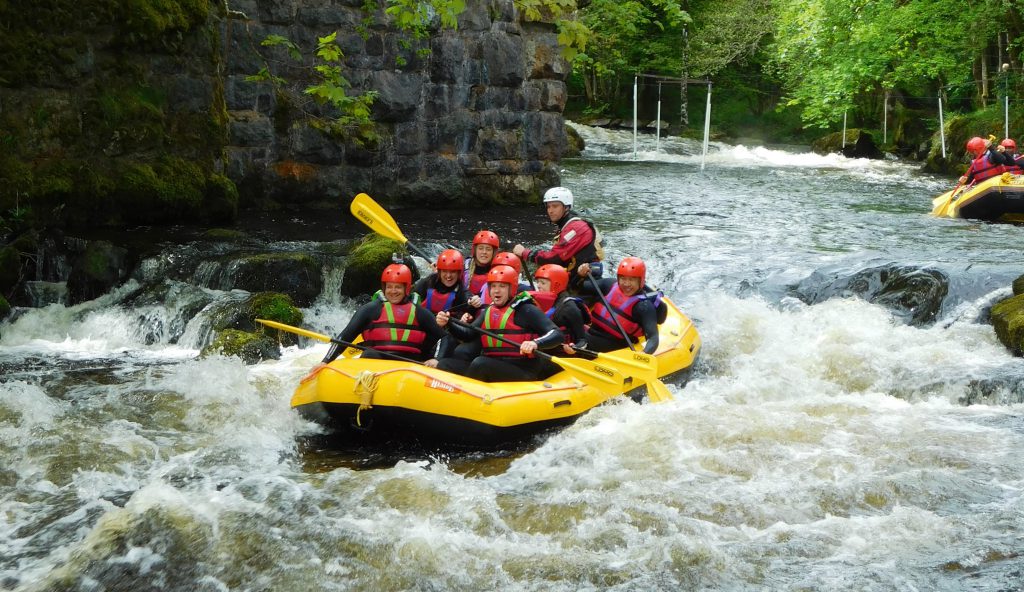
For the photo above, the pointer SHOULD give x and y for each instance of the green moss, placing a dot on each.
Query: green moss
(250, 347)
(150, 19)
(366, 260)
(275, 306)
(1008, 321)
(1018, 286)
(220, 201)
(5, 307)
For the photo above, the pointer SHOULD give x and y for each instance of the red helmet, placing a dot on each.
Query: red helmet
(1009, 143)
(556, 274)
(976, 146)
(633, 267)
(503, 274)
(450, 260)
(507, 258)
(397, 273)
(486, 237)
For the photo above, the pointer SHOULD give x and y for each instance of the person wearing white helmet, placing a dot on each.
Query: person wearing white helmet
(578, 240)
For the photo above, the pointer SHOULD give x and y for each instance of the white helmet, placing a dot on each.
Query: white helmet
(559, 194)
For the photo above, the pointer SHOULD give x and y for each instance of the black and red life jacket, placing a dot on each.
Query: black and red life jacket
(550, 305)
(396, 330)
(499, 320)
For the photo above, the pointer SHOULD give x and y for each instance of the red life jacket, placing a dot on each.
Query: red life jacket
(475, 281)
(499, 321)
(437, 301)
(623, 307)
(396, 330)
(983, 168)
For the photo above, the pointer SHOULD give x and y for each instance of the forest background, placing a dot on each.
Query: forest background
(785, 71)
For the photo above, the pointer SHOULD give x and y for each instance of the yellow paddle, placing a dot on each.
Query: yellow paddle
(380, 221)
(656, 389)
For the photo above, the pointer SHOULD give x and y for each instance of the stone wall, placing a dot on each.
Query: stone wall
(477, 119)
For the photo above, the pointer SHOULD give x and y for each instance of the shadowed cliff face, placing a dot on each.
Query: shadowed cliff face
(469, 116)
(112, 113)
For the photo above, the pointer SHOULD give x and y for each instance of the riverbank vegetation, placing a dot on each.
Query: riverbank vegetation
(791, 69)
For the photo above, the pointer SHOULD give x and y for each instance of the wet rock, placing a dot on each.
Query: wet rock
(98, 269)
(575, 144)
(295, 274)
(252, 348)
(1008, 320)
(1018, 286)
(859, 144)
(5, 308)
(912, 294)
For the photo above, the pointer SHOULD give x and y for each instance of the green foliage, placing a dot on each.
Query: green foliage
(347, 114)
(830, 51)
(625, 37)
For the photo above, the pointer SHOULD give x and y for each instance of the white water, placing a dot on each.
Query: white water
(818, 447)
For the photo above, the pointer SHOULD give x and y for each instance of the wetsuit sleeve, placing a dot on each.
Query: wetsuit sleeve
(571, 318)
(647, 317)
(574, 236)
(464, 333)
(359, 321)
(604, 283)
(530, 317)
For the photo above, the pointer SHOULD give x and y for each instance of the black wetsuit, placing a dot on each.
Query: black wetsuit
(644, 314)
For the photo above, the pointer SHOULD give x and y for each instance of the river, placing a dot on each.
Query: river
(830, 445)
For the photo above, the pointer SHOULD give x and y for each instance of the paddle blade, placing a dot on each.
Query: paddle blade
(601, 376)
(376, 218)
(632, 363)
(296, 330)
(657, 392)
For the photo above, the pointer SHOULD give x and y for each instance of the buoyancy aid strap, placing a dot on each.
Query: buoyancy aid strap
(390, 312)
(492, 342)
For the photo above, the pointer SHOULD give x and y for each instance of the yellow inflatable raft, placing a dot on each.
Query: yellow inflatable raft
(999, 199)
(413, 401)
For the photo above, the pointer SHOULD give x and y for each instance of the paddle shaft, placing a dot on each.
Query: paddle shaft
(615, 317)
(483, 331)
(329, 339)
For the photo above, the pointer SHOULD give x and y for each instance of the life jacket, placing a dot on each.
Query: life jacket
(474, 277)
(588, 254)
(395, 330)
(622, 306)
(983, 168)
(550, 304)
(499, 320)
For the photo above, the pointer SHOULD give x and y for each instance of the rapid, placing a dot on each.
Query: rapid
(821, 444)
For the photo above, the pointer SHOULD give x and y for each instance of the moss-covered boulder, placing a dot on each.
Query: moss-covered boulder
(366, 261)
(1008, 321)
(295, 274)
(1018, 286)
(250, 347)
(5, 307)
(97, 270)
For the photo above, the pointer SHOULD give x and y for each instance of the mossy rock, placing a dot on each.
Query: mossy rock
(273, 306)
(295, 274)
(101, 267)
(575, 142)
(10, 268)
(367, 260)
(225, 235)
(1018, 286)
(1008, 321)
(5, 307)
(220, 202)
(250, 347)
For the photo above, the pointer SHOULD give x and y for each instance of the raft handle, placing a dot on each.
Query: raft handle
(562, 403)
